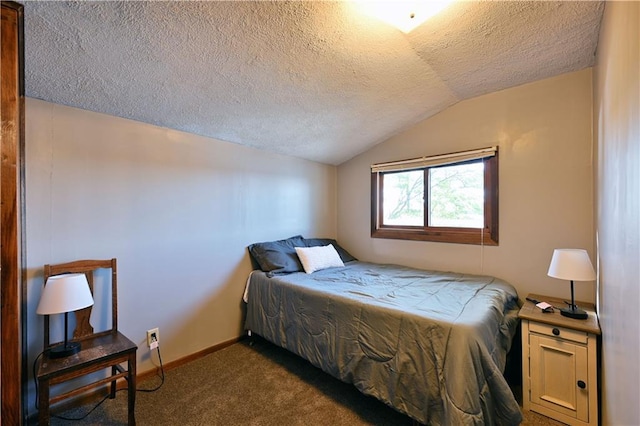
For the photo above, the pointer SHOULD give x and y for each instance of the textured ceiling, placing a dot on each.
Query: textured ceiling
(316, 80)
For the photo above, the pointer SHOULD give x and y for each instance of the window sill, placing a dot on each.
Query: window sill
(440, 235)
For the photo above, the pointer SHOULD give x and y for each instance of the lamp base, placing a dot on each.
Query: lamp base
(574, 312)
(64, 350)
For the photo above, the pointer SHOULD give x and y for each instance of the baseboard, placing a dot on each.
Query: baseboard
(187, 359)
(99, 393)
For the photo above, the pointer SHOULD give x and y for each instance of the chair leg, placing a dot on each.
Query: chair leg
(112, 393)
(131, 380)
(43, 402)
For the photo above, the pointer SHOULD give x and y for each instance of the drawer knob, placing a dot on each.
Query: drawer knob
(555, 332)
(581, 384)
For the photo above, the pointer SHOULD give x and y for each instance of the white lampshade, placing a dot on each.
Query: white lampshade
(65, 293)
(571, 264)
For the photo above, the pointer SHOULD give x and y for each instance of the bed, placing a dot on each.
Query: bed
(430, 344)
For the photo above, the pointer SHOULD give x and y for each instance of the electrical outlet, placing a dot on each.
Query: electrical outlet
(153, 338)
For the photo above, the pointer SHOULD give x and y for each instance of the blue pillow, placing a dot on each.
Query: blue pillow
(278, 257)
(314, 242)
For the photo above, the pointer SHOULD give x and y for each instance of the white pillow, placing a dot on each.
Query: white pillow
(320, 257)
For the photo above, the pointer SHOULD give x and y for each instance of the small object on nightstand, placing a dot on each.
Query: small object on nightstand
(545, 307)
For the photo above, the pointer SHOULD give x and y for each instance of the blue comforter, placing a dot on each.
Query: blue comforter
(430, 344)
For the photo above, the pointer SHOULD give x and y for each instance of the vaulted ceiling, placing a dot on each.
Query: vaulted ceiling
(316, 80)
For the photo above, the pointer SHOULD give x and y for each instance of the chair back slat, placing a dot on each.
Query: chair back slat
(83, 316)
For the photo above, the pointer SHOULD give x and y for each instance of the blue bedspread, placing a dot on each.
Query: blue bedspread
(430, 344)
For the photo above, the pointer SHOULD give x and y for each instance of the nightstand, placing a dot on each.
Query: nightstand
(559, 362)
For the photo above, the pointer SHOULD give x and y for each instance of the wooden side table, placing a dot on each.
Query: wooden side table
(559, 362)
(97, 353)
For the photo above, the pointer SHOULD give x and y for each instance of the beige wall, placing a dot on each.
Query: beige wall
(543, 131)
(617, 132)
(176, 210)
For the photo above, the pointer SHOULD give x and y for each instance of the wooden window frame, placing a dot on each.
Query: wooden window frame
(488, 235)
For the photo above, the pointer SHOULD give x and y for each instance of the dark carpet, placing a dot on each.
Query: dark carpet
(245, 384)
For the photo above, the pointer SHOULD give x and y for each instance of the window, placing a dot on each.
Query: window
(447, 198)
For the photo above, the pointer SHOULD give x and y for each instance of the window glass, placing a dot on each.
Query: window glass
(403, 198)
(456, 196)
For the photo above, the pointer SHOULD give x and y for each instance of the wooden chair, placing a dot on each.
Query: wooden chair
(101, 350)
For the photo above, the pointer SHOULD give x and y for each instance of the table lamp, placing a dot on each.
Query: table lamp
(573, 265)
(63, 294)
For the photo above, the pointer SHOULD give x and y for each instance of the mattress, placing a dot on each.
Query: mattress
(430, 344)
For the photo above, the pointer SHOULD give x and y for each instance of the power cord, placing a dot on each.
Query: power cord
(61, 417)
(161, 374)
(35, 362)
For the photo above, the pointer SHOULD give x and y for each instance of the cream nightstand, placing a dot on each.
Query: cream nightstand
(559, 363)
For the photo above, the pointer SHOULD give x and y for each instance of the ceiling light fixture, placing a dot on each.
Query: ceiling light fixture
(404, 15)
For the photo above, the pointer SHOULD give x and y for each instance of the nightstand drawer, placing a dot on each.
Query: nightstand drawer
(560, 332)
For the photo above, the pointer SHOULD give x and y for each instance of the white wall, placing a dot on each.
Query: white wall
(543, 131)
(176, 210)
(617, 131)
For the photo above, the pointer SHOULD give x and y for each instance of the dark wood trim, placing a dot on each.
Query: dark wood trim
(486, 236)
(441, 235)
(189, 358)
(426, 208)
(13, 360)
(375, 219)
(491, 204)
